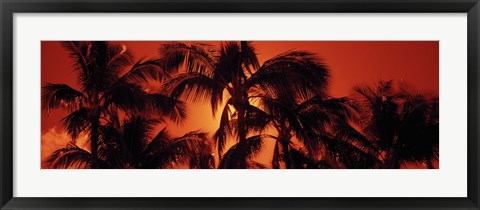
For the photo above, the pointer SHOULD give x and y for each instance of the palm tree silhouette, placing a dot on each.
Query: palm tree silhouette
(290, 120)
(316, 122)
(103, 83)
(401, 121)
(235, 69)
(74, 157)
(130, 144)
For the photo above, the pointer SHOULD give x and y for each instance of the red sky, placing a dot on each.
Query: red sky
(350, 63)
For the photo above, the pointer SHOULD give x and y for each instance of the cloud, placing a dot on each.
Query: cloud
(56, 138)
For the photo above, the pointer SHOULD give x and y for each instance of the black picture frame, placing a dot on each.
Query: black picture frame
(10, 7)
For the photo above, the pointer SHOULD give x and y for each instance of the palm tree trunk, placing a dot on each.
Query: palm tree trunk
(391, 160)
(240, 106)
(242, 134)
(388, 158)
(94, 138)
(286, 154)
(276, 159)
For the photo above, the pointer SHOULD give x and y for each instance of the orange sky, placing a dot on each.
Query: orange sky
(350, 63)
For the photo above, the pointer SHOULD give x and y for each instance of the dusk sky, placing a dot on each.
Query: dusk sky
(350, 63)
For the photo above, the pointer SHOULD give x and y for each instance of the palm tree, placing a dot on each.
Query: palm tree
(317, 123)
(235, 69)
(103, 83)
(290, 120)
(401, 121)
(161, 150)
(73, 157)
(130, 144)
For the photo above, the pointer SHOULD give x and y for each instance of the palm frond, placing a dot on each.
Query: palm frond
(78, 51)
(257, 119)
(133, 100)
(107, 61)
(112, 148)
(136, 131)
(255, 165)
(56, 96)
(418, 138)
(300, 70)
(379, 107)
(174, 110)
(224, 129)
(300, 160)
(350, 155)
(98, 63)
(249, 57)
(345, 132)
(164, 151)
(217, 93)
(77, 122)
(373, 96)
(342, 108)
(229, 67)
(193, 86)
(119, 58)
(255, 144)
(302, 121)
(144, 70)
(157, 154)
(235, 154)
(193, 146)
(196, 58)
(126, 96)
(72, 157)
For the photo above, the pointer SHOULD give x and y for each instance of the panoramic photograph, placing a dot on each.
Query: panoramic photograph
(233, 104)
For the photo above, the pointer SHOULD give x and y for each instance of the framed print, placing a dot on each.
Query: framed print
(239, 105)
